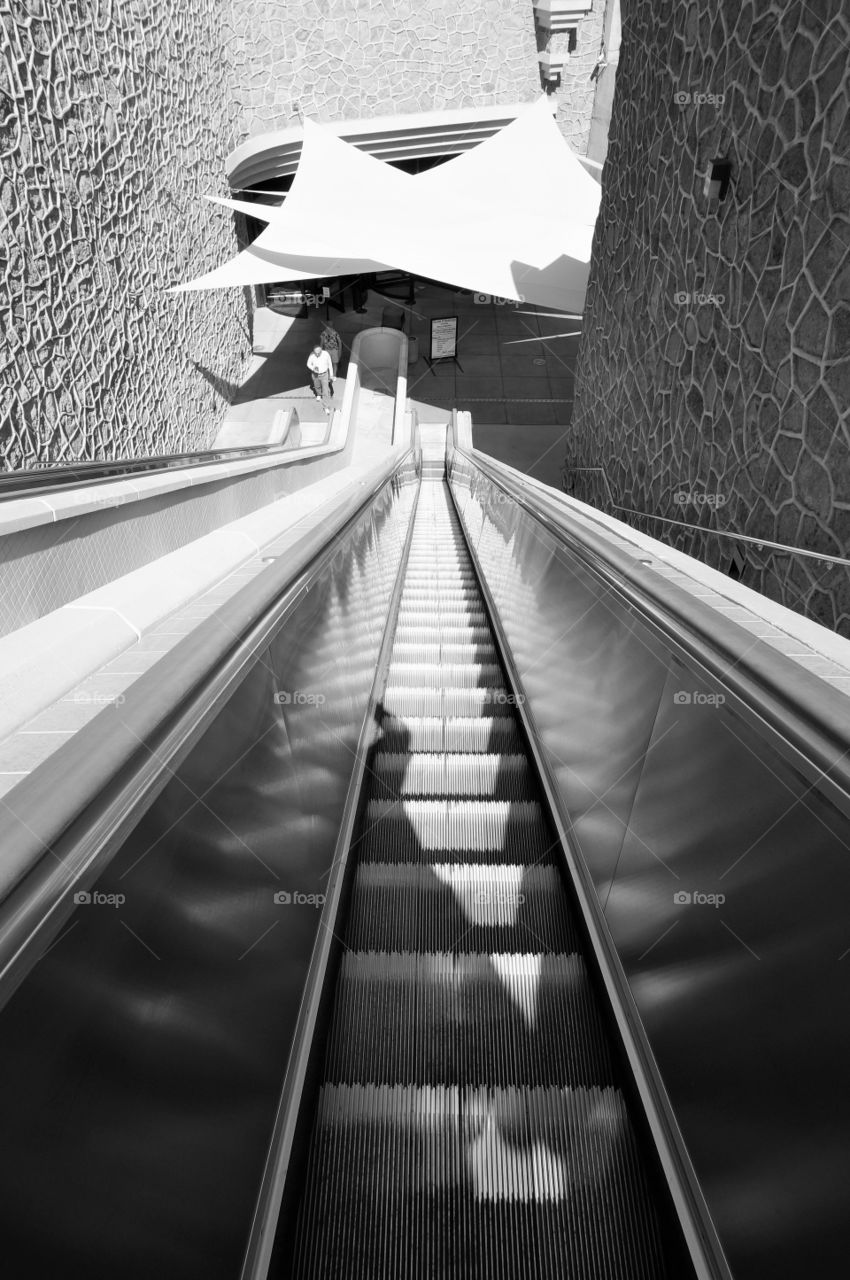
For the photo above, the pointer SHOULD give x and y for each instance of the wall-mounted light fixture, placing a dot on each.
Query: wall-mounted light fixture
(717, 179)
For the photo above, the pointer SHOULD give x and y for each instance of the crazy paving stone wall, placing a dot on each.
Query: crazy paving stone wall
(113, 123)
(350, 59)
(713, 381)
(115, 119)
(575, 92)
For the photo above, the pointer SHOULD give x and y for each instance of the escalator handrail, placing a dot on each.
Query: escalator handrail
(66, 819)
(700, 1234)
(37, 480)
(802, 711)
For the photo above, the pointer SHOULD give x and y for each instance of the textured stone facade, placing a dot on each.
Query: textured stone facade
(713, 382)
(115, 120)
(113, 123)
(350, 59)
(575, 92)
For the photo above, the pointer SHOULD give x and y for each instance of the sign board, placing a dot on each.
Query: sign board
(444, 338)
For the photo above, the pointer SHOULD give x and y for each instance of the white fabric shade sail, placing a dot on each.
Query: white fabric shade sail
(513, 217)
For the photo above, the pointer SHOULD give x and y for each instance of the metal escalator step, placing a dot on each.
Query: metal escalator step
(419, 773)
(458, 906)
(426, 591)
(442, 651)
(444, 617)
(433, 1183)
(457, 1018)
(433, 633)
(410, 700)
(437, 733)
(438, 830)
(446, 675)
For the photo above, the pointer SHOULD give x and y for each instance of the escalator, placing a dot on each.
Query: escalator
(351, 941)
(468, 1116)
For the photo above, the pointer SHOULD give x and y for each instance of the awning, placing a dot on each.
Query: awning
(513, 217)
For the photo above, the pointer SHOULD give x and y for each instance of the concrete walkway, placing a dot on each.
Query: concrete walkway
(513, 376)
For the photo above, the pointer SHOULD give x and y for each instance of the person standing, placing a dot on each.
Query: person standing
(321, 369)
(332, 343)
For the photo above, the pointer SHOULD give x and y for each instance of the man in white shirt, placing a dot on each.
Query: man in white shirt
(320, 366)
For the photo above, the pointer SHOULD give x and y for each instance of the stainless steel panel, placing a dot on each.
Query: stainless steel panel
(142, 1058)
(670, 790)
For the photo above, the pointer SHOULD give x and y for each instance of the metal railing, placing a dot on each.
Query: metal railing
(17, 484)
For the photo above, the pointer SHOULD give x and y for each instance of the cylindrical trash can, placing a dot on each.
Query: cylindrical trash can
(412, 350)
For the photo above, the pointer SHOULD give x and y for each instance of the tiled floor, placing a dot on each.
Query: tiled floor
(514, 377)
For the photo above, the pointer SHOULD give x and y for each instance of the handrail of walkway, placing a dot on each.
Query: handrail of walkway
(759, 543)
(17, 484)
(800, 708)
(70, 814)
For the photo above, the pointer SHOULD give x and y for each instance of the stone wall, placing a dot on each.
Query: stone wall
(349, 59)
(576, 90)
(115, 120)
(113, 123)
(713, 381)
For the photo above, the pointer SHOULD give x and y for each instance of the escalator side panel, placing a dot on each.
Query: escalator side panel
(142, 1058)
(724, 878)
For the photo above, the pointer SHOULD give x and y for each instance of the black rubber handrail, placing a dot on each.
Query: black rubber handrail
(802, 712)
(35, 480)
(67, 819)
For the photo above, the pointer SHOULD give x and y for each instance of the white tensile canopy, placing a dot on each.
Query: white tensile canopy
(514, 217)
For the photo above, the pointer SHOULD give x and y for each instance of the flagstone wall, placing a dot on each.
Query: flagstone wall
(115, 120)
(113, 124)
(713, 380)
(352, 59)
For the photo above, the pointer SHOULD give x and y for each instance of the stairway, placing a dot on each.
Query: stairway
(469, 1124)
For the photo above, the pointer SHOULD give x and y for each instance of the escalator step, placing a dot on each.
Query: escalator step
(453, 906)
(446, 616)
(443, 651)
(497, 777)
(444, 1018)
(446, 675)
(433, 733)
(475, 1184)
(437, 830)
(416, 700)
(434, 634)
